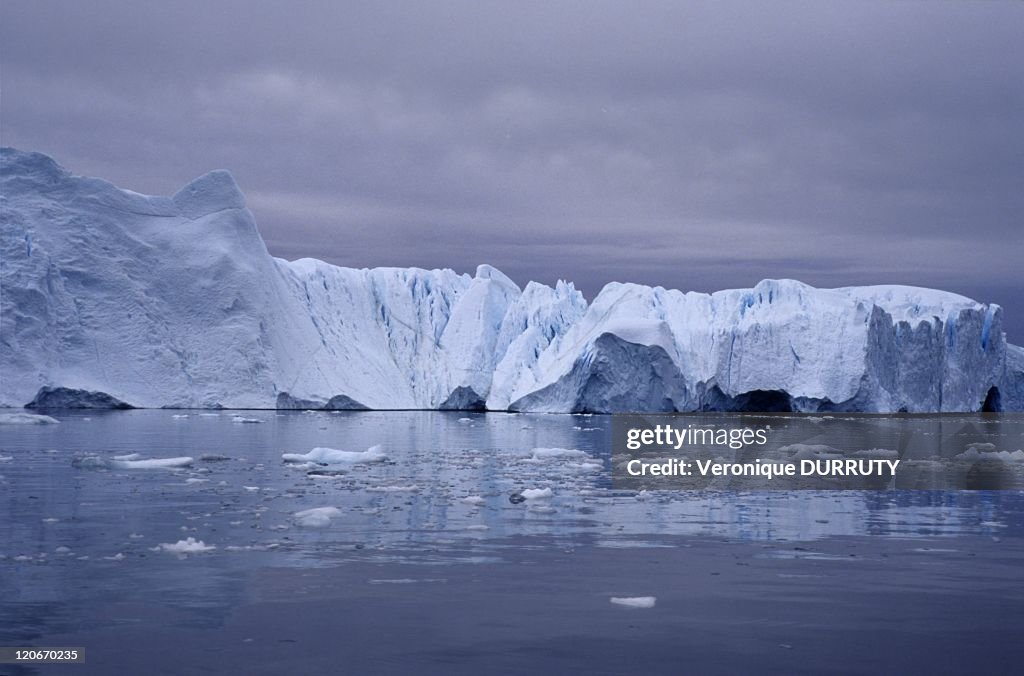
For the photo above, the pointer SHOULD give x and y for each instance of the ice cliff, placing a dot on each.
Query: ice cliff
(109, 297)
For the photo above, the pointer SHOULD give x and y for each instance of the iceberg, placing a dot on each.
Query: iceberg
(187, 546)
(130, 461)
(333, 456)
(317, 517)
(634, 601)
(113, 299)
(26, 419)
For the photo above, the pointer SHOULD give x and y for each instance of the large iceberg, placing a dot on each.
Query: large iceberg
(112, 296)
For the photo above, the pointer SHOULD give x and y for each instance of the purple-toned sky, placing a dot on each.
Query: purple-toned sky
(689, 145)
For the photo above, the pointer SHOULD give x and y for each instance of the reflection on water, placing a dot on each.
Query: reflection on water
(454, 488)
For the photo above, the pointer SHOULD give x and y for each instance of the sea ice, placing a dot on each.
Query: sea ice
(98, 462)
(26, 419)
(332, 456)
(536, 493)
(187, 546)
(316, 517)
(634, 601)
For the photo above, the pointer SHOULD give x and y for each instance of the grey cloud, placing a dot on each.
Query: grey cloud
(697, 145)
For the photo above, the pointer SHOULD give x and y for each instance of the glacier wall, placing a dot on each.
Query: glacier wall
(109, 295)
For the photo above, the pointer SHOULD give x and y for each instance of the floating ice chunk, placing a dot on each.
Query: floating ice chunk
(465, 420)
(209, 415)
(128, 456)
(195, 480)
(634, 601)
(412, 488)
(473, 500)
(545, 454)
(316, 517)
(332, 456)
(116, 557)
(153, 463)
(97, 462)
(251, 489)
(536, 493)
(26, 419)
(973, 453)
(243, 419)
(187, 546)
(5, 458)
(180, 416)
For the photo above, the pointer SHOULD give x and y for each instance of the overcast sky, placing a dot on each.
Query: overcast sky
(690, 145)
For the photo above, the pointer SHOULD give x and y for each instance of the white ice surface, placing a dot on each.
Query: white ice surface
(634, 601)
(26, 419)
(333, 456)
(316, 517)
(196, 313)
(187, 546)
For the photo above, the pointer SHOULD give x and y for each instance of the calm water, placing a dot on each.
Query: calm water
(426, 565)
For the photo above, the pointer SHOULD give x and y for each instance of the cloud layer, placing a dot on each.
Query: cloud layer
(690, 145)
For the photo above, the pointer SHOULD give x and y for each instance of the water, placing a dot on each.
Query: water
(429, 566)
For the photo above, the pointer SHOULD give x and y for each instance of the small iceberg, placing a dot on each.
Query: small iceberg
(318, 517)
(542, 454)
(130, 461)
(536, 493)
(332, 456)
(634, 601)
(187, 546)
(26, 419)
(243, 419)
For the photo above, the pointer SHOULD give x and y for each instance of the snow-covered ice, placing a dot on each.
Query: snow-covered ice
(240, 329)
(537, 493)
(634, 601)
(26, 419)
(131, 462)
(187, 546)
(316, 517)
(333, 456)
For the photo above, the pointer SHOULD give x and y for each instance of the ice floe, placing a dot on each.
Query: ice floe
(536, 493)
(316, 517)
(635, 601)
(26, 419)
(130, 461)
(973, 453)
(187, 546)
(333, 456)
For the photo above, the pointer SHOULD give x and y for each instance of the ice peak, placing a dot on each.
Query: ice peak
(30, 164)
(490, 272)
(213, 191)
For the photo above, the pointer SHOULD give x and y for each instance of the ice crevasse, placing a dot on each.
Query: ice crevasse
(112, 298)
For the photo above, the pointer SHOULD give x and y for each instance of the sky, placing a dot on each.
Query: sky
(698, 146)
